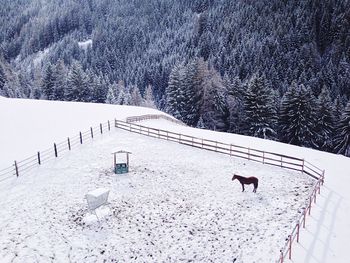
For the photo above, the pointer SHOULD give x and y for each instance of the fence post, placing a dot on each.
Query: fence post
(39, 161)
(202, 143)
(323, 176)
(55, 148)
(281, 256)
(109, 126)
(115, 122)
(315, 195)
(248, 153)
(263, 157)
(319, 187)
(290, 246)
(16, 169)
(101, 128)
(281, 161)
(310, 206)
(92, 133)
(81, 138)
(298, 228)
(304, 217)
(68, 143)
(230, 149)
(303, 166)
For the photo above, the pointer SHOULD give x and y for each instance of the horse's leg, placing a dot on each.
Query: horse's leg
(242, 187)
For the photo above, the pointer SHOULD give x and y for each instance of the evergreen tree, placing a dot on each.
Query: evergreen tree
(342, 140)
(192, 89)
(60, 82)
(325, 121)
(98, 89)
(136, 98)
(2, 78)
(77, 84)
(297, 116)
(48, 83)
(234, 101)
(260, 110)
(111, 94)
(175, 93)
(123, 94)
(149, 98)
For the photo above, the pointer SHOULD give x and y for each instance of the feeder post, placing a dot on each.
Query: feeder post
(115, 160)
(39, 161)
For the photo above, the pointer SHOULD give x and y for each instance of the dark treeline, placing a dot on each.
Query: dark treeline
(270, 68)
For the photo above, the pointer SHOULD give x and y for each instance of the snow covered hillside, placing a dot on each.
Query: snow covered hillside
(177, 203)
(28, 126)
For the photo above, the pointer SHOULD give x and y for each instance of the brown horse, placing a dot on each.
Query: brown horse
(246, 180)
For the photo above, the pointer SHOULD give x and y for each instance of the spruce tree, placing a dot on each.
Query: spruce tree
(48, 83)
(260, 110)
(60, 80)
(324, 128)
(135, 96)
(297, 116)
(175, 93)
(2, 78)
(342, 140)
(191, 86)
(77, 84)
(148, 100)
(111, 94)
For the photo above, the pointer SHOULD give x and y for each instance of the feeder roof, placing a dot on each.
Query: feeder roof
(121, 151)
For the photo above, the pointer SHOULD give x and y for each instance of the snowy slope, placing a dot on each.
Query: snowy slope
(28, 126)
(32, 125)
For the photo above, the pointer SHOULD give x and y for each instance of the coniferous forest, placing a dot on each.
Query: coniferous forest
(273, 69)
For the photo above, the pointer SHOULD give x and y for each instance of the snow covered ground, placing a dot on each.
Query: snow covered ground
(176, 204)
(184, 194)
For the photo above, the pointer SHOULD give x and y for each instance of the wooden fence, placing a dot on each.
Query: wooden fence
(269, 158)
(21, 167)
(264, 157)
(153, 117)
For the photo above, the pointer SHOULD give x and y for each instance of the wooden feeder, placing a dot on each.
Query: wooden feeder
(121, 167)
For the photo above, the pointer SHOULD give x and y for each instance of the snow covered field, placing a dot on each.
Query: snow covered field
(43, 212)
(176, 204)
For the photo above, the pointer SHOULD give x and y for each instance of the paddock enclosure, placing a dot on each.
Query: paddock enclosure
(177, 203)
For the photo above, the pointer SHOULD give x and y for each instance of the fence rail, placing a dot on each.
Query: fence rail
(270, 158)
(153, 117)
(23, 166)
